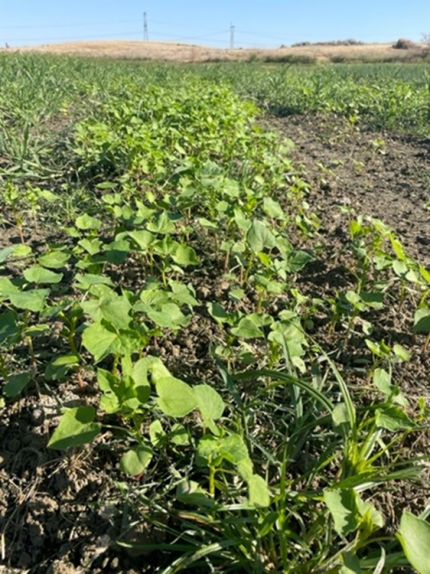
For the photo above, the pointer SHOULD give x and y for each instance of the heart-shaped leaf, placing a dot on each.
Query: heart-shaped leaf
(176, 398)
(54, 259)
(33, 300)
(134, 461)
(76, 427)
(209, 402)
(259, 237)
(37, 274)
(85, 222)
(16, 384)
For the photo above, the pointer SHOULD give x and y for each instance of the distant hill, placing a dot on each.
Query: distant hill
(168, 51)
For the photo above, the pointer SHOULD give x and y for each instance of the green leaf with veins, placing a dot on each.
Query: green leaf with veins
(86, 281)
(37, 274)
(258, 491)
(205, 223)
(5, 253)
(234, 449)
(113, 308)
(165, 247)
(247, 329)
(351, 564)
(157, 434)
(15, 384)
(179, 435)
(190, 492)
(273, 209)
(91, 246)
(76, 428)
(422, 320)
(143, 238)
(382, 380)
(7, 287)
(86, 222)
(170, 317)
(176, 398)
(22, 250)
(161, 224)
(134, 461)
(153, 299)
(54, 259)
(9, 329)
(33, 300)
(218, 313)
(108, 384)
(116, 310)
(393, 419)
(102, 338)
(208, 451)
(184, 255)
(182, 294)
(117, 251)
(58, 367)
(414, 534)
(401, 353)
(209, 402)
(259, 237)
(342, 504)
(297, 260)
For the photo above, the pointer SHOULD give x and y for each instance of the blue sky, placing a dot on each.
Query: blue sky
(267, 23)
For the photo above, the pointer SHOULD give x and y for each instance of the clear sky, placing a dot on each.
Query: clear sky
(267, 23)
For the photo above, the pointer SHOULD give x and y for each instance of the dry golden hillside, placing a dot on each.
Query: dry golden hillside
(176, 52)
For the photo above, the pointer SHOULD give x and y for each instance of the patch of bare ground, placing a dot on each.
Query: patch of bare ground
(179, 52)
(379, 174)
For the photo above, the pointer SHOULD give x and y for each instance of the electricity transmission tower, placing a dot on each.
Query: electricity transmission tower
(231, 37)
(145, 28)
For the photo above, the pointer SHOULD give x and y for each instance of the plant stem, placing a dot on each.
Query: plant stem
(212, 480)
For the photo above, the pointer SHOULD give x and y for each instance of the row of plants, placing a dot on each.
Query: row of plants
(39, 93)
(173, 211)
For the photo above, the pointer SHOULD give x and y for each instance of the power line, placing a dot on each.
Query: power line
(116, 35)
(202, 37)
(73, 38)
(233, 32)
(43, 26)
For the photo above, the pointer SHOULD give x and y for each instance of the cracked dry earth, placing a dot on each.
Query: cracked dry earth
(59, 512)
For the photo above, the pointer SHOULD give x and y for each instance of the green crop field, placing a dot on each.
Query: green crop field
(214, 317)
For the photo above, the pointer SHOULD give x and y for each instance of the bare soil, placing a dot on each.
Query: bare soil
(379, 174)
(60, 513)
